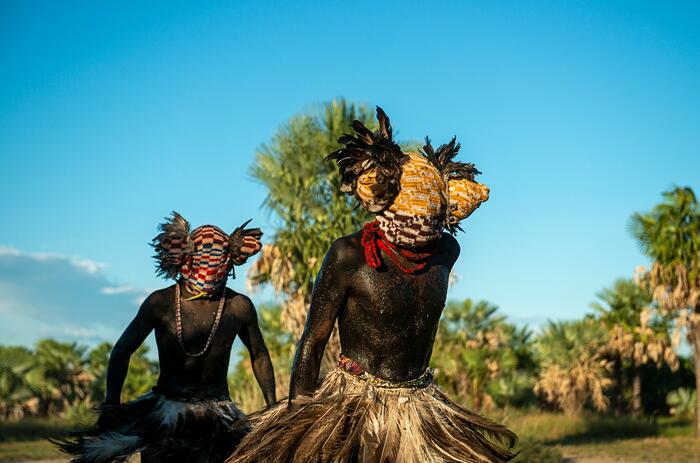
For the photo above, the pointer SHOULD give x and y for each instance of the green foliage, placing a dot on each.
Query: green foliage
(64, 379)
(670, 232)
(682, 402)
(15, 390)
(481, 358)
(531, 451)
(572, 372)
(670, 235)
(563, 342)
(57, 376)
(142, 374)
(97, 362)
(622, 304)
(304, 190)
(30, 451)
(636, 336)
(280, 344)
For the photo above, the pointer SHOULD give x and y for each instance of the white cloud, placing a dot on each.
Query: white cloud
(5, 251)
(111, 290)
(60, 296)
(138, 295)
(90, 266)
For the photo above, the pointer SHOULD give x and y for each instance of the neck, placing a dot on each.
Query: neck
(374, 242)
(188, 294)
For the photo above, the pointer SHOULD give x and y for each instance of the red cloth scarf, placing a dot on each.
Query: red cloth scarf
(374, 239)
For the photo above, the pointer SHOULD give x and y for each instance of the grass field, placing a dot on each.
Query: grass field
(605, 439)
(28, 451)
(545, 438)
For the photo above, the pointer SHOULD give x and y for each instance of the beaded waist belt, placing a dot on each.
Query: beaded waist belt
(350, 366)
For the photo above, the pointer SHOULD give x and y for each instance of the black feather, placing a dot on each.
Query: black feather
(443, 160)
(173, 245)
(365, 150)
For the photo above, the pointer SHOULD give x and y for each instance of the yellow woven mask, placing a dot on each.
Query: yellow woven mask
(416, 195)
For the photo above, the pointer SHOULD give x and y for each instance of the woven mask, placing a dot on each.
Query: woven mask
(203, 258)
(415, 195)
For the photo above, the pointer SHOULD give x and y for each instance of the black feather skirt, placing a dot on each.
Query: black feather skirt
(161, 429)
(356, 419)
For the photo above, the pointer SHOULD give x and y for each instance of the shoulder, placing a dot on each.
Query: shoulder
(158, 300)
(241, 306)
(346, 250)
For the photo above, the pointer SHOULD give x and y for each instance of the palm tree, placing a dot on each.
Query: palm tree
(635, 336)
(60, 375)
(16, 393)
(142, 374)
(97, 362)
(472, 350)
(670, 235)
(573, 371)
(310, 211)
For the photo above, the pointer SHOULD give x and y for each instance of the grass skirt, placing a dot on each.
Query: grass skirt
(163, 429)
(353, 419)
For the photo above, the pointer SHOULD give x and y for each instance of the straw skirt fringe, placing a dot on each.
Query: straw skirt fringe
(351, 420)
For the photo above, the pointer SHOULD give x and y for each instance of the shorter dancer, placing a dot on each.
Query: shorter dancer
(189, 416)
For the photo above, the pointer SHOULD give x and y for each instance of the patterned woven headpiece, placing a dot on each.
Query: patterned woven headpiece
(415, 195)
(203, 258)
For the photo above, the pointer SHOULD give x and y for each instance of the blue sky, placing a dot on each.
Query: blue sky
(578, 113)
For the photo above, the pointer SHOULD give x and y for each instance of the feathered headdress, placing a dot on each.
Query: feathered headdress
(373, 153)
(204, 257)
(464, 194)
(414, 194)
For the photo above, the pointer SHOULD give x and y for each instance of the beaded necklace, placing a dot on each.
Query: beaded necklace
(178, 322)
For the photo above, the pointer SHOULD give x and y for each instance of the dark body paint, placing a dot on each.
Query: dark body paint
(387, 319)
(182, 376)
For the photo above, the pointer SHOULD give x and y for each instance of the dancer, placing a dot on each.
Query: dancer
(386, 286)
(189, 416)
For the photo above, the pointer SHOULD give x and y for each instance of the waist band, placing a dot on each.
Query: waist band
(348, 365)
(191, 399)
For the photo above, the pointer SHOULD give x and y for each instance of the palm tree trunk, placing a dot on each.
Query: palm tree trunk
(694, 335)
(618, 391)
(475, 394)
(637, 392)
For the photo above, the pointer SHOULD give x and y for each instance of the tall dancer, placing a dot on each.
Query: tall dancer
(386, 286)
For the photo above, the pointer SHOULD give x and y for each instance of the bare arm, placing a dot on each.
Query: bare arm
(130, 340)
(327, 299)
(259, 356)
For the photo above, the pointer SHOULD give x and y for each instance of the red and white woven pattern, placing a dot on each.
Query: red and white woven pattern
(410, 231)
(210, 262)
